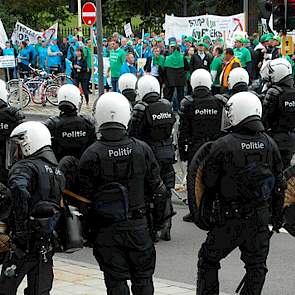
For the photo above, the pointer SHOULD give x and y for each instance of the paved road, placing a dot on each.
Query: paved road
(176, 260)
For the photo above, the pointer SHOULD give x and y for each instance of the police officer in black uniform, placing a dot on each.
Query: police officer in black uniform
(116, 172)
(10, 117)
(279, 106)
(152, 121)
(36, 186)
(200, 120)
(127, 86)
(243, 179)
(71, 133)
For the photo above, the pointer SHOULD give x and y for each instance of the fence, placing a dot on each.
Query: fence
(107, 31)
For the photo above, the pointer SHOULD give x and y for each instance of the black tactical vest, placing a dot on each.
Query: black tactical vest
(285, 117)
(49, 183)
(160, 120)
(206, 119)
(124, 162)
(247, 174)
(70, 136)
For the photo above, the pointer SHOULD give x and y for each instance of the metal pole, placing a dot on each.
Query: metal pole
(246, 12)
(99, 47)
(92, 59)
(79, 14)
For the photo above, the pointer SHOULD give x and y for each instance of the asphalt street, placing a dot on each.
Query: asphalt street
(177, 259)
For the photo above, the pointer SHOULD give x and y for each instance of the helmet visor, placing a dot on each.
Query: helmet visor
(13, 153)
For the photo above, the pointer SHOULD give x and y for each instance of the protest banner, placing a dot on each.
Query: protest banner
(106, 65)
(7, 61)
(3, 35)
(21, 32)
(198, 26)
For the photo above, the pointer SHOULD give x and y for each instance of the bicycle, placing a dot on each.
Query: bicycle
(37, 90)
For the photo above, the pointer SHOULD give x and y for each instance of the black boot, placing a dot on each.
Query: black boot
(188, 218)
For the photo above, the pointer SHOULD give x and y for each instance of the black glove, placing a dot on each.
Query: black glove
(277, 222)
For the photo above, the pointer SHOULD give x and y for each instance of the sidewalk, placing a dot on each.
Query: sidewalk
(77, 278)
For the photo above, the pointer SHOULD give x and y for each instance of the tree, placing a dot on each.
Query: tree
(33, 13)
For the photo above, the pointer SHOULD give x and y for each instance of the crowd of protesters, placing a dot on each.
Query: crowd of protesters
(171, 63)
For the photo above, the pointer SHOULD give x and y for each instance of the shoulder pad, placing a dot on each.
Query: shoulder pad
(52, 122)
(186, 102)
(221, 98)
(274, 91)
(88, 119)
(140, 106)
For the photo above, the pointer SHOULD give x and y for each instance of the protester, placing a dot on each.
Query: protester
(80, 74)
(157, 66)
(188, 56)
(54, 56)
(200, 60)
(129, 66)
(216, 70)
(23, 59)
(42, 55)
(8, 50)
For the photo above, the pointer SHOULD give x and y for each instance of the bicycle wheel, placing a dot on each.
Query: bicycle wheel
(14, 98)
(12, 85)
(62, 79)
(51, 94)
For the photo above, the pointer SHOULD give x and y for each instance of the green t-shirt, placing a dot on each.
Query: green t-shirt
(117, 58)
(244, 55)
(216, 66)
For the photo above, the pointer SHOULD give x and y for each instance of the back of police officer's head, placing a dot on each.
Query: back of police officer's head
(112, 112)
(201, 80)
(29, 138)
(243, 110)
(276, 70)
(69, 99)
(148, 86)
(127, 86)
(238, 76)
(3, 92)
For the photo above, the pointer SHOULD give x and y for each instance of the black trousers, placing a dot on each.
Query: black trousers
(84, 85)
(124, 252)
(252, 237)
(169, 91)
(39, 274)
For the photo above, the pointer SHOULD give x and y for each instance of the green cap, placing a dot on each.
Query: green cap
(239, 39)
(206, 37)
(266, 37)
(277, 38)
(255, 42)
(200, 43)
(129, 43)
(172, 44)
(245, 41)
(189, 39)
(220, 40)
(160, 39)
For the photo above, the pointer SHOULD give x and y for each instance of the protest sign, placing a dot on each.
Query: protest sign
(7, 61)
(21, 32)
(198, 26)
(3, 35)
(106, 65)
(128, 30)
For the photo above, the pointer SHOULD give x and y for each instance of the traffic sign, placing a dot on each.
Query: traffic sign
(89, 13)
(287, 45)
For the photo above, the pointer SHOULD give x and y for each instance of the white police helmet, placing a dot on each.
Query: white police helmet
(237, 75)
(71, 94)
(201, 77)
(146, 85)
(239, 107)
(3, 91)
(112, 107)
(275, 70)
(31, 137)
(127, 81)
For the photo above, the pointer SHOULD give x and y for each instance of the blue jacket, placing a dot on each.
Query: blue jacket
(8, 51)
(32, 53)
(54, 61)
(42, 55)
(129, 69)
(24, 56)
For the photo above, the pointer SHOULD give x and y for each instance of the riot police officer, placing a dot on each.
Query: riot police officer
(116, 172)
(279, 106)
(10, 117)
(152, 121)
(36, 186)
(244, 182)
(71, 133)
(200, 119)
(127, 85)
(238, 81)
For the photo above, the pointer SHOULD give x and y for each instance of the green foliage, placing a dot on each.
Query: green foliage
(33, 13)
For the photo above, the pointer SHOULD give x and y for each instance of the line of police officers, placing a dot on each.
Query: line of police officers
(128, 169)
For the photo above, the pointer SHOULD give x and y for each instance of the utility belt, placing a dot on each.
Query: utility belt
(221, 211)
